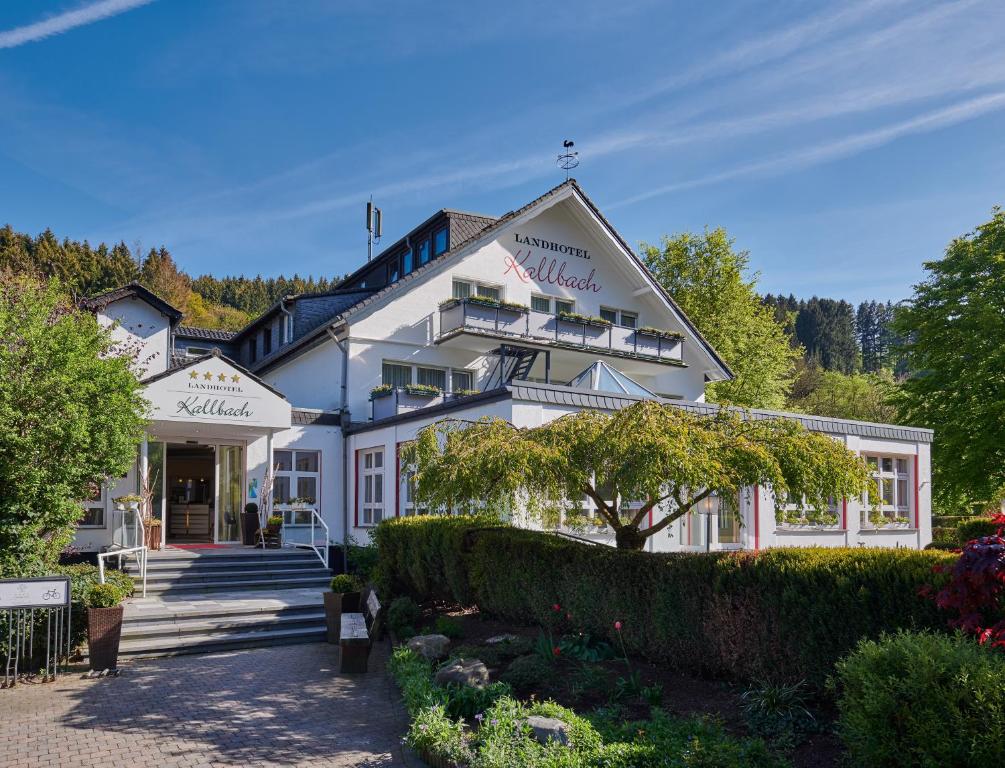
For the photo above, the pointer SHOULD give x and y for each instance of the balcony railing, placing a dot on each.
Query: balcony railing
(461, 315)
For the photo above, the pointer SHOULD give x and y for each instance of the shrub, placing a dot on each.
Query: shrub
(781, 615)
(778, 713)
(346, 582)
(84, 575)
(923, 700)
(103, 596)
(527, 671)
(448, 627)
(403, 613)
(975, 528)
(466, 701)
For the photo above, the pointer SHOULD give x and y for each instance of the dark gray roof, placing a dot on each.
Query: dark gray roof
(610, 401)
(464, 226)
(309, 416)
(134, 290)
(209, 334)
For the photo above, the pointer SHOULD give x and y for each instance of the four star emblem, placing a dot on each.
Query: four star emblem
(209, 376)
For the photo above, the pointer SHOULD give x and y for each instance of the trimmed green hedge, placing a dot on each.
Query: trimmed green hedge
(975, 528)
(782, 614)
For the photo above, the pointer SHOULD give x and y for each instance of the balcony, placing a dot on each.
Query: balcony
(510, 321)
(386, 401)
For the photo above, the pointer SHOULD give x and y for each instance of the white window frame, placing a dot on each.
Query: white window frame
(100, 503)
(474, 288)
(619, 316)
(833, 508)
(196, 351)
(294, 476)
(371, 512)
(897, 509)
(553, 303)
(447, 370)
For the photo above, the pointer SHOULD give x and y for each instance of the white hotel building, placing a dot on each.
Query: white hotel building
(541, 312)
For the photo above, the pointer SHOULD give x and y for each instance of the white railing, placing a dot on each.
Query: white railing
(127, 540)
(293, 532)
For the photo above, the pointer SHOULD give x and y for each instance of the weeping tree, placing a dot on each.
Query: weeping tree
(663, 458)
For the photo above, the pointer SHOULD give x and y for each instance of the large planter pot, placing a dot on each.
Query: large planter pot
(104, 628)
(152, 534)
(337, 603)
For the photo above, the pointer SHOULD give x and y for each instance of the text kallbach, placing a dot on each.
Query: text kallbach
(549, 271)
(197, 406)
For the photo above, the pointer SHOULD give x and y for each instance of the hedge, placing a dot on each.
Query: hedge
(781, 614)
(975, 528)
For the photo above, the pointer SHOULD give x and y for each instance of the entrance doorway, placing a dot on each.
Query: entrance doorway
(190, 470)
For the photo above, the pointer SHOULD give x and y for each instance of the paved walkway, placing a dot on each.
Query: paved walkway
(262, 707)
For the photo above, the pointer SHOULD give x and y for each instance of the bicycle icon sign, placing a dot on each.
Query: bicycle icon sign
(52, 594)
(44, 592)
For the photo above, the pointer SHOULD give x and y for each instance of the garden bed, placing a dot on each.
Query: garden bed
(591, 678)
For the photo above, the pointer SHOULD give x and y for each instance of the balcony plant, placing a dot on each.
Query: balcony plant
(104, 625)
(381, 390)
(130, 501)
(662, 333)
(465, 392)
(423, 390)
(576, 317)
(344, 597)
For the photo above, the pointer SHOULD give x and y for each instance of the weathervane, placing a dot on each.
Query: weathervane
(568, 159)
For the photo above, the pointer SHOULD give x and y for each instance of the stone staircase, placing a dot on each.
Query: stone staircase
(199, 601)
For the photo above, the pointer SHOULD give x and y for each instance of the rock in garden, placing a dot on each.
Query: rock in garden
(430, 647)
(549, 729)
(464, 672)
(497, 639)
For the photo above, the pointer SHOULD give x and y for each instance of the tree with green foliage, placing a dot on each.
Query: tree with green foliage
(954, 328)
(859, 396)
(708, 279)
(665, 457)
(71, 415)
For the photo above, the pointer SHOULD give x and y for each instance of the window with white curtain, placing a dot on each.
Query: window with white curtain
(371, 490)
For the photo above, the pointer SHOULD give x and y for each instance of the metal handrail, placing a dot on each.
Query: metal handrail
(320, 551)
(119, 549)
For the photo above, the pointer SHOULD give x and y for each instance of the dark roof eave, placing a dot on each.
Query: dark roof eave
(135, 290)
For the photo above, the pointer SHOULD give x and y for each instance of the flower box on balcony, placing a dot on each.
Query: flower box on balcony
(483, 314)
(660, 333)
(384, 390)
(422, 390)
(575, 317)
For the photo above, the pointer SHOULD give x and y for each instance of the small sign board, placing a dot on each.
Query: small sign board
(43, 592)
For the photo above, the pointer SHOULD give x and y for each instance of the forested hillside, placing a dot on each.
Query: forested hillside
(85, 270)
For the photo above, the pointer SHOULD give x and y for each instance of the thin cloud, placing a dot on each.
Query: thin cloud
(64, 22)
(845, 147)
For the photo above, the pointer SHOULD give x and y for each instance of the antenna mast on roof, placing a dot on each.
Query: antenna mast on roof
(568, 159)
(374, 227)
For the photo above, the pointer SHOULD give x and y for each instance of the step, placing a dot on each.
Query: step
(188, 577)
(219, 641)
(321, 582)
(215, 565)
(201, 625)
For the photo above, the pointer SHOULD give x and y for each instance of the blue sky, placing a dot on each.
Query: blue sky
(842, 144)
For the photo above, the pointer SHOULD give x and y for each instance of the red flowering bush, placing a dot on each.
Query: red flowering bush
(976, 589)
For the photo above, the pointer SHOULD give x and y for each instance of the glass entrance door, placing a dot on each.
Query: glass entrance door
(230, 485)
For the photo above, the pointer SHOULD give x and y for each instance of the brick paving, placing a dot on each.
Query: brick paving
(286, 706)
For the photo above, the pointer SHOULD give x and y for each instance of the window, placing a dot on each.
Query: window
(440, 241)
(464, 289)
(563, 305)
(424, 251)
(289, 328)
(252, 349)
(392, 272)
(460, 380)
(893, 478)
(94, 508)
(406, 262)
(267, 341)
(297, 475)
(800, 513)
(620, 317)
(396, 375)
(372, 493)
(540, 304)
(432, 377)
(196, 351)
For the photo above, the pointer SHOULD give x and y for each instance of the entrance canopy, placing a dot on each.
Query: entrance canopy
(603, 378)
(213, 391)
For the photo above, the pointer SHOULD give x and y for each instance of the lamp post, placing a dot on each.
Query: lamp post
(708, 507)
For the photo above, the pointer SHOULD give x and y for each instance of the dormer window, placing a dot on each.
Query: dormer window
(252, 349)
(440, 241)
(406, 262)
(267, 341)
(424, 252)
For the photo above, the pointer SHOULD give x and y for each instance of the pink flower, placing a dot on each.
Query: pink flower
(617, 625)
(556, 608)
(556, 651)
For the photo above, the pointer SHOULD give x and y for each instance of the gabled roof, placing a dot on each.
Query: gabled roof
(569, 185)
(133, 290)
(208, 334)
(352, 296)
(189, 362)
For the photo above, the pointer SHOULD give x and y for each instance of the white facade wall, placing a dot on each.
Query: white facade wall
(136, 324)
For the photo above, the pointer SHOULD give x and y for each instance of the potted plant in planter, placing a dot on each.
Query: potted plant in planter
(343, 598)
(131, 501)
(152, 533)
(104, 625)
(274, 531)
